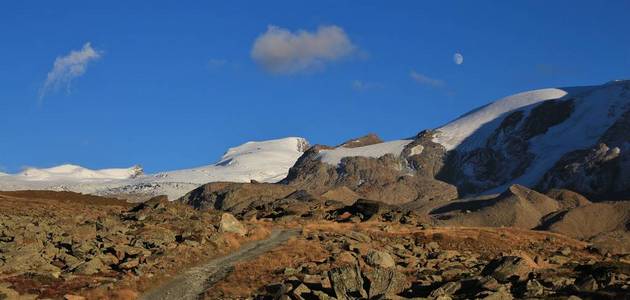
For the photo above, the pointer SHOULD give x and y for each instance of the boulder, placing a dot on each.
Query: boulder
(347, 282)
(230, 224)
(385, 282)
(507, 268)
(381, 259)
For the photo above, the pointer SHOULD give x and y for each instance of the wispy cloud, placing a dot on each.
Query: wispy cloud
(360, 85)
(281, 51)
(426, 80)
(67, 68)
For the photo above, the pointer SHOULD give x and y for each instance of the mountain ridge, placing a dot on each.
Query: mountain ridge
(546, 138)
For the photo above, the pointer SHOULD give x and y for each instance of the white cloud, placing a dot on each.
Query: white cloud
(281, 51)
(67, 68)
(426, 80)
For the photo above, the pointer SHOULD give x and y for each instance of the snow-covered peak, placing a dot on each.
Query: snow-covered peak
(265, 161)
(461, 130)
(254, 153)
(536, 137)
(74, 172)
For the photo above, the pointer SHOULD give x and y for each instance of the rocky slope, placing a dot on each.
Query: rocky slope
(58, 243)
(402, 262)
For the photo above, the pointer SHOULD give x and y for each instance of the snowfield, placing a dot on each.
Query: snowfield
(334, 156)
(74, 172)
(266, 161)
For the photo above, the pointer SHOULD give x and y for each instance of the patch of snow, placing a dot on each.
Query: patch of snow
(334, 156)
(416, 150)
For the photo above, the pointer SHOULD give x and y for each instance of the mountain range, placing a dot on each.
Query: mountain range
(575, 138)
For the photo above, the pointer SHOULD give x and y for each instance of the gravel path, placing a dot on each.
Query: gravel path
(193, 282)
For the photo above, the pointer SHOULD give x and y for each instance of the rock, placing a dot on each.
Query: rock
(155, 236)
(509, 267)
(6, 292)
(489, 283)
(70, 261)
(290, 271)
(230, 224)
(322, 296)
(345, 258)
(446, 289)
(122, 251)
(313, 281)
(300, 292)
(90, 267)
(109, 259)
(588, 284)
(533, 288)
(347, 282)
(380, 259)
(499, 295)
(566, 251)
(558, 260)
(432, 246)
(358, 236)
(385, 282)
(129, 264)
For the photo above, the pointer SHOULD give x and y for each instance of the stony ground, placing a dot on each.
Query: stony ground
(382, 261)
(68, 246)
(53, 245)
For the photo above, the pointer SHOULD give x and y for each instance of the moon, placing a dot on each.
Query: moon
(458, 58)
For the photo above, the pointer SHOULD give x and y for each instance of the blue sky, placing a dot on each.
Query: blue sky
(171, 85)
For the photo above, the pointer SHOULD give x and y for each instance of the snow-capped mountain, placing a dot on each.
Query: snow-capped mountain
(266, 161)
(519, 139)
(77, 173)
(577, 137)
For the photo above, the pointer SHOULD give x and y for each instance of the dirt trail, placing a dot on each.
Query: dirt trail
(193, 282)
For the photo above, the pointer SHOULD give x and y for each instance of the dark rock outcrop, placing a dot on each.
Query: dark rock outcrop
(369, 139)
(390, 179)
